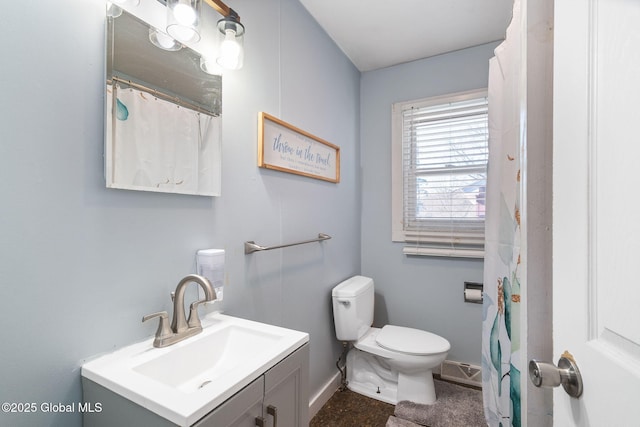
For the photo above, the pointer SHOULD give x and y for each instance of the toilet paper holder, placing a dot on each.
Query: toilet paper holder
(473, 292)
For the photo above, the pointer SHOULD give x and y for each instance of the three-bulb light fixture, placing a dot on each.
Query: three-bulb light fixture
(184, 20)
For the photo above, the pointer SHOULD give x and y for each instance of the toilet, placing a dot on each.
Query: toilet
(391, 363)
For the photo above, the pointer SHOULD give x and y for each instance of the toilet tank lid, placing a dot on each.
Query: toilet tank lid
(352, 287)
(411, 341)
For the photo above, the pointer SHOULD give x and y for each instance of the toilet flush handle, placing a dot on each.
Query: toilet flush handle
(344, 302)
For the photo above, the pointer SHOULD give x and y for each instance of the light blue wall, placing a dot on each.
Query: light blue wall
(80, 264)
(419, 292)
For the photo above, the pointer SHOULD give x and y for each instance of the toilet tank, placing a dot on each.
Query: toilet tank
(353, 307)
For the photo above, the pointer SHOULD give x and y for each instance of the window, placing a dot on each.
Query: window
(440, 152)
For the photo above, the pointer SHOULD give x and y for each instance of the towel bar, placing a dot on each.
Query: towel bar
(251, 246)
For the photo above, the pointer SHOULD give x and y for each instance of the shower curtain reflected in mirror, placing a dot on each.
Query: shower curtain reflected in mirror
(156, 145)
(503, 264)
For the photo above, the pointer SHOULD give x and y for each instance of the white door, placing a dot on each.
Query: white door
(596, 215)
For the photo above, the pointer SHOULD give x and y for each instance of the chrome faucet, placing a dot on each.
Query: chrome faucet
(181, 328)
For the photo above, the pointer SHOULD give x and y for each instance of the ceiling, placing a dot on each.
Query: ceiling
(381, 33)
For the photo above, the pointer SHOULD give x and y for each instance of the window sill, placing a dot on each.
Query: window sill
(443, 252)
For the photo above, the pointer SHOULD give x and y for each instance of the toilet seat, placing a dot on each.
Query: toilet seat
(411, 341)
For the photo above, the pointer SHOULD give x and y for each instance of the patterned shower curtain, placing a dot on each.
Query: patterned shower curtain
(503, 265)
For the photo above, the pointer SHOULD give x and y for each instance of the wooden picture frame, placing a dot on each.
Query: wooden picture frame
(284, 147)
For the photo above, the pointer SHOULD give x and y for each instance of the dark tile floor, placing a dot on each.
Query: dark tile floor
(349, 409)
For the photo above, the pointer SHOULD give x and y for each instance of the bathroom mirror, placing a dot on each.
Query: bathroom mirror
(163, 115)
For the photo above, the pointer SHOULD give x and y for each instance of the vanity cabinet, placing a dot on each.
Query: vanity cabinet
(277, 398)
(242, 410)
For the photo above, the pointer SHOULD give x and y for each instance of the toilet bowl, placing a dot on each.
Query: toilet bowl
(391, 363)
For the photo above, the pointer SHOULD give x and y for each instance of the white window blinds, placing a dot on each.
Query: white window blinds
(443, 154)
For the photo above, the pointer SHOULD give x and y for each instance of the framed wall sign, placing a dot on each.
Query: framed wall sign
(286, 148)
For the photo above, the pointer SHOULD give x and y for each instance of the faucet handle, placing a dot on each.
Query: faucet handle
(164, 331)
(194, 319)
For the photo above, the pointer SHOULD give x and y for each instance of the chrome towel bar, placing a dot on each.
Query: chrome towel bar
(251, 246)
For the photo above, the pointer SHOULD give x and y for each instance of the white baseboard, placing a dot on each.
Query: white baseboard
(323, 395)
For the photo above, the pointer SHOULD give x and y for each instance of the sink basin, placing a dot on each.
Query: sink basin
(187, 380)
(193, 366)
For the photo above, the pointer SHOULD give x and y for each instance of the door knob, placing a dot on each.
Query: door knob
(544, 374)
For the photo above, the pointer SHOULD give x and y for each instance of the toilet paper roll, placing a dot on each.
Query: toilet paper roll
(473, 295)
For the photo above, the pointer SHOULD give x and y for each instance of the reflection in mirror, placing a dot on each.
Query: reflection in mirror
(163, 113)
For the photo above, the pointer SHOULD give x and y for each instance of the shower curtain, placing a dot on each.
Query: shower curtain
(503, 265)
(156, 145)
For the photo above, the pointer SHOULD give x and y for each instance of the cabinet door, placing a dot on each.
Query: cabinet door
(240, 410)
(286, 398)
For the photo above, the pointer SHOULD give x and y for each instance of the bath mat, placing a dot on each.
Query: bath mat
(456, 406)
(399, 422)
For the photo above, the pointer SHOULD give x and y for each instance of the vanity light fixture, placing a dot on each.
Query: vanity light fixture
(163, 41)
(231, 34)
(231, 55)
(210, 66)
(183, 20)
(183, 26)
